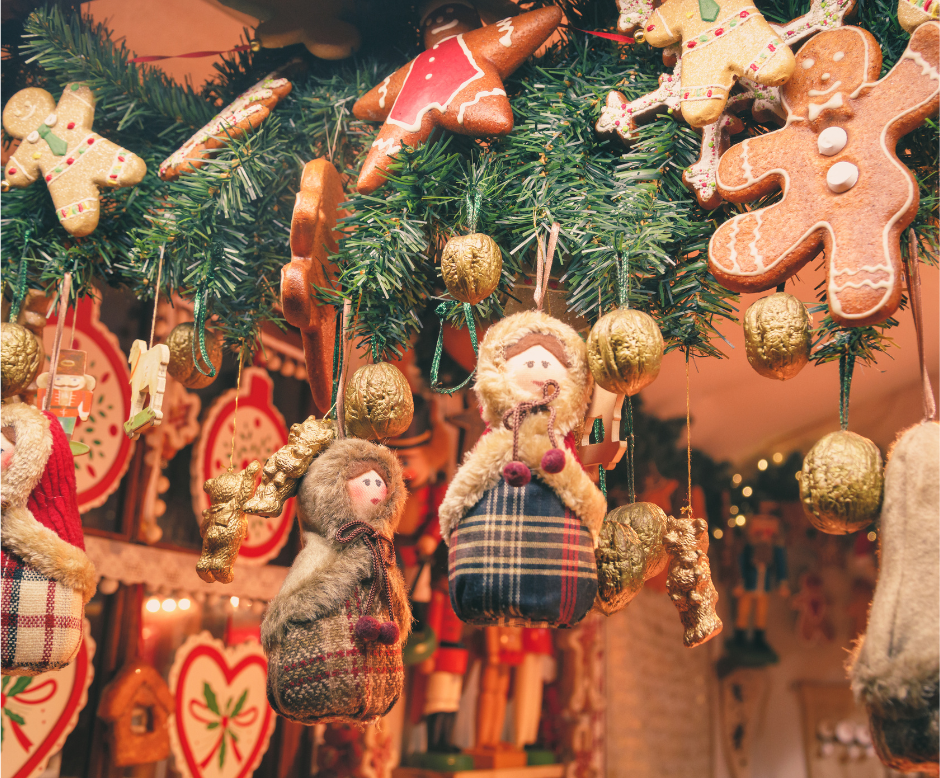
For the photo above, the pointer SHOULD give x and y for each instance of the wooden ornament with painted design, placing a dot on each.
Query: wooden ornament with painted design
(456, 84)
(312, 239)
(845, 191)
(148, 377)
(59, 147)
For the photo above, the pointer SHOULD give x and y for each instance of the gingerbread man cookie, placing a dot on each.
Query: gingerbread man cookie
(59, 146)
(457, 84)
(235, 120)
(844, 189)
(720, 44)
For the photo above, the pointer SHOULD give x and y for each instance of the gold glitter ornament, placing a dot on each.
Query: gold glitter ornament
(21, 357)
(471, 266)
(182, 367)
(689, 582)
(625, 351)
(224, 526)
(842, 483)
(629, 552)
(378, 402)
(777, 336)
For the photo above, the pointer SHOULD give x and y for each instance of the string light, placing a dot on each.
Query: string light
(732, 522)
(153, 605)
(740, 519)
(169, 605)
(184, 604)
(747, 491)
(762, 464)
(234, 601)
(737, 478)
(734, 509)
(718, 533)
(873, 536)
(778, 458)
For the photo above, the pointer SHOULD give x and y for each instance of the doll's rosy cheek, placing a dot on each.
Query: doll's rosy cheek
(7, 447)
(366, 490)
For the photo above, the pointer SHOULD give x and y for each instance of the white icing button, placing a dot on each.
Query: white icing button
(808, 63)
(432, 59)
(33, 137)
(842, 176)
(824, 77)
(428, 77)
(838, 56)
(832, 140)
(50, 120)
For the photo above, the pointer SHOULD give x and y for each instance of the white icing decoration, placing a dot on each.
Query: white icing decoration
(839, 56)
(383, 89)
(842, 176)
(755, 253)
(428, 76)
(925, 67)
(33, 137)
(832, 140)
(746, 163)
(51, 119)
(821, 92)
(814, 109)
(73, 154)
(387, 146)
(824, 77)
(21, 167)
(443, 27)
(662, 21)
(808, 63)
(475, 100)
(505, 26)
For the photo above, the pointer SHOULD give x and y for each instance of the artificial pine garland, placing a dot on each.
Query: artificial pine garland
(225, 226)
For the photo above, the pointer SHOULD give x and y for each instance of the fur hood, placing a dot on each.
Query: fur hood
(498, 394)
(22, 533)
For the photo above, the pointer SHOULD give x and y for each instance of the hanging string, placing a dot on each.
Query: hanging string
(19, 291)
(688, 436)
(631, 479)
(199, 313)
(543, 265)
(441, 311)
(253, 46)
(473, 209)
(64, 291)
(846, 366)
(336, 342)
(156, 298)
(238, 389)
(341, 393)
(75, 312)
(912, 270)
(599, 438)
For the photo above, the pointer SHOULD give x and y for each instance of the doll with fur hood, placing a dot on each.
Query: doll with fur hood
(521, 516)
(334, 633)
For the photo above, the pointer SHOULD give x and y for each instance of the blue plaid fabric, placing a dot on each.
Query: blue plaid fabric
(520, 557)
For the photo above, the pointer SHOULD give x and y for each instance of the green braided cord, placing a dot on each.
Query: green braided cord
(441, 311)
(377, 344)
(631, 480)
(473, 209)
(199, 314)
(336, 340)
(846, 366)
(623, 283)
(708, 10)
(19, 292)
(599, 438)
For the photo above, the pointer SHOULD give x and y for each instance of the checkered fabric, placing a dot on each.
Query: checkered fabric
(41, 619)
(520, 557)
(321, 672)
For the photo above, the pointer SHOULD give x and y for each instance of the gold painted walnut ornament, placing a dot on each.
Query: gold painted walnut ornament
(629, 552)
(625, 350)
(842, 483)
(182, 366)
(471, 266)
(286, 466)
(378, 402)
(777, 336)
(224, 526)
(21, 357)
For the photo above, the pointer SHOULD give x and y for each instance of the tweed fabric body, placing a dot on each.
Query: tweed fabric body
(320, 671)
(41, 619)
(520, 557)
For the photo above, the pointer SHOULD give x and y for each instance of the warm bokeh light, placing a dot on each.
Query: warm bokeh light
(737, 478)
(762, 464)
(873, 536)
(169, 605)
(740, 519)
(153, 605)
(234, 601)
(734, 510)
(732, 522)
(778, 458)
(718, 533)
(747, 491)
(184, 604)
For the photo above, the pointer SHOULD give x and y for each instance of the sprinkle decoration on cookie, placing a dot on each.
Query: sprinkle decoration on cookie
(63, 151)
(845, 192)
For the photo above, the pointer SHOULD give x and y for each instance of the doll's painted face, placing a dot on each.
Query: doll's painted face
(530, 369)
(7, 447)
(366, 491)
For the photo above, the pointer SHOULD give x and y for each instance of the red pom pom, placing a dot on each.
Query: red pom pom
(367, 628)
(517, 473)
(553, 461)
(388, 633)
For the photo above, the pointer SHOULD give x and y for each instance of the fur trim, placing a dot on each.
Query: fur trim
(483, 467)
(497, 394)
(326, 572)
(38, 546)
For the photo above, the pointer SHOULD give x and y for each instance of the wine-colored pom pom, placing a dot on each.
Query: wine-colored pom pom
(368, 628)
(553, 461)
(517, 473)
(388, 633)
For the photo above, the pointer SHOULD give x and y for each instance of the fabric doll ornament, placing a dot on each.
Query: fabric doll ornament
(46, 578)
(334, 633)
(521, 516)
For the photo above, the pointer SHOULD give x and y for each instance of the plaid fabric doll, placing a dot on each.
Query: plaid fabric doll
(521, 515)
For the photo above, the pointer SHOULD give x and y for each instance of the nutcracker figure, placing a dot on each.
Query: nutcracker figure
(72, 392)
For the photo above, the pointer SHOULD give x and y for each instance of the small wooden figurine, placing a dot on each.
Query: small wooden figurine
(148, 377)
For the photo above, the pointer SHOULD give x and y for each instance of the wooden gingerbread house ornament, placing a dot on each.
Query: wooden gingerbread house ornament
(137, 705)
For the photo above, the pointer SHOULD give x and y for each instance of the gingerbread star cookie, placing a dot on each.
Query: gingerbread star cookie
(457, 84)
(235, 120)
(59, 146)
(844, 189)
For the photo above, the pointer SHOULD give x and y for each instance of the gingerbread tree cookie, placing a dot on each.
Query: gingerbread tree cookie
(720, 44)
(844, 189)
(235, 120)
(59, 146)
(457, 84)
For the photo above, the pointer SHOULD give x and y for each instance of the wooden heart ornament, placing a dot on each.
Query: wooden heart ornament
(39, 712)
(222, 722)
